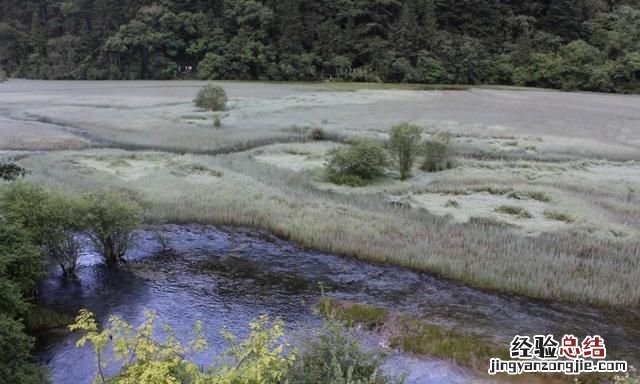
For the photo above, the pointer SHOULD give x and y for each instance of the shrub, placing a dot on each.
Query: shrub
(404, 143)
(335, 356)
(216, 122)
(437, 155)
(11, 171)
(3, 75)
(211, 97)
(110, 221)
(363, 160)
(53, 219)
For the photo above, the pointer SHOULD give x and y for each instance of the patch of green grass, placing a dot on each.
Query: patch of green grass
(514, 211)
(42, 319)
(617, 232)
(535, 195)
(559, 216)
(353, 314)
(498, 191)
(452, 204)
(119, 163)
(415, 336)
(299, 152)
(187, 168)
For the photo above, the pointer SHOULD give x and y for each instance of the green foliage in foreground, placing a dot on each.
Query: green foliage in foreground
(404, 143)
(147, 356)
(362, 161)
(212, 98)
(335, 356)
(21, 266)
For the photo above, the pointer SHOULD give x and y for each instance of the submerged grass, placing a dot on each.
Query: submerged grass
(41, 319)
(412, 335)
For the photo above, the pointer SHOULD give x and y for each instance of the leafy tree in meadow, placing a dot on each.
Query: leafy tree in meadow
(404, 142)
(212, 98)
(355, 165)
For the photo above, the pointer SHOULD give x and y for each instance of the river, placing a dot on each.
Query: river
(227, 277)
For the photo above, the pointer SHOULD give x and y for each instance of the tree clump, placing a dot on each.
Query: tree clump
(438, 154)
(55, 220)
(11, 171)
(111, 219)
(357, 164)
(212, 98)
(404, 144)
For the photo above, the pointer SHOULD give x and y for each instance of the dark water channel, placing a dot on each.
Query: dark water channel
(227, 277)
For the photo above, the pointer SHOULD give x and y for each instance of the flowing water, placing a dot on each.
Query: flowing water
(227, 277)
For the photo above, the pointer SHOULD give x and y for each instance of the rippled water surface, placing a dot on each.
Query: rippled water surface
(227, 277)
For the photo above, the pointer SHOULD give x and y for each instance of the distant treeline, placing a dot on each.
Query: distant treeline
(568, 44)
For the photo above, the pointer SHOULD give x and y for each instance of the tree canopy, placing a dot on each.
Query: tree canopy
(569, 44)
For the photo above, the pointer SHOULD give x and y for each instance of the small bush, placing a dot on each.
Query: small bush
(110, 222)
(316, 134)
(452, 204)
(335, 356)
(363, 160)
(3, 75)
(211, 97)
(514, 211)
(11, 171)
(404, 143)
(216, 122)
(437, 155)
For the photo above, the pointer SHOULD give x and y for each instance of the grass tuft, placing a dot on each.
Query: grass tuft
(514, 211)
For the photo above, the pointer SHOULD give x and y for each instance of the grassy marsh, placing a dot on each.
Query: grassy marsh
(260, 169)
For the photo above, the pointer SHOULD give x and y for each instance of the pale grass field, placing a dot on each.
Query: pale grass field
(572, 265)
(577, 152)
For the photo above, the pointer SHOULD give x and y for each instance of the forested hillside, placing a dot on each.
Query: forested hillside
(569, 44)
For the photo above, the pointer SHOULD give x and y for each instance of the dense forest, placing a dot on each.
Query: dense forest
(568, 44)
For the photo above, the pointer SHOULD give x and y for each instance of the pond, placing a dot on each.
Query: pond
(227, 277)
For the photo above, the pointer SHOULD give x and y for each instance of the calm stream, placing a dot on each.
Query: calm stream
(227, 277)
